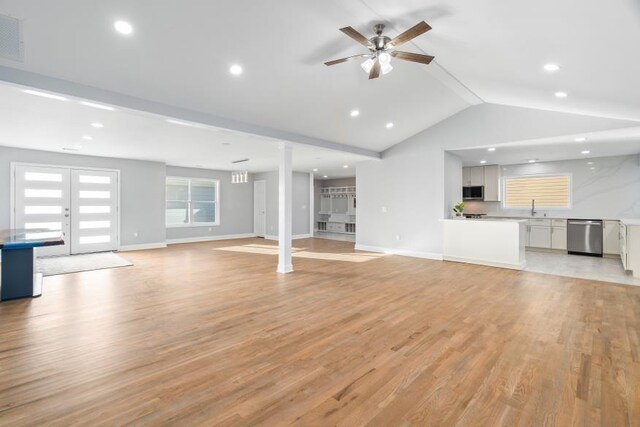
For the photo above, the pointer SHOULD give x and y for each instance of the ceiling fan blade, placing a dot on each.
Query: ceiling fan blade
(356, 36)
(341, 60)
(375, 70)
(411, 33)
(413, 57)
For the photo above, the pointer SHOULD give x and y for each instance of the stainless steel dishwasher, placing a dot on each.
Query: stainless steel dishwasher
(584, 237)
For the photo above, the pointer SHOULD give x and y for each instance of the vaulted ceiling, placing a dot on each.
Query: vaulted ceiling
(486, 51)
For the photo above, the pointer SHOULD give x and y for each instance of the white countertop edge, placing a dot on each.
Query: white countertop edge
(484, 220)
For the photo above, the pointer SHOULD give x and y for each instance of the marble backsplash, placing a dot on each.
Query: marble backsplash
(603, 187)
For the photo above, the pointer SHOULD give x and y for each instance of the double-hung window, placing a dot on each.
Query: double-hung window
(192, 202)
(548, 191)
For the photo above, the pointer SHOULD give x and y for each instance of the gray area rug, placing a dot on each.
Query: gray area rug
(52, 266)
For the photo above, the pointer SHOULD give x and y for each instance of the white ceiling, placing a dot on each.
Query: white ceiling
(180, 53)
(616, 142)
(33, 122)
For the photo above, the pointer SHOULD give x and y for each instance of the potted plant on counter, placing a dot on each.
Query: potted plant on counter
(457, 209)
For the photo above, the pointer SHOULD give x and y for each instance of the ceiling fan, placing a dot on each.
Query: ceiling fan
(382, 49)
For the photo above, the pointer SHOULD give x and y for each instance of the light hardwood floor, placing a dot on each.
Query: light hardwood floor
(209, 334)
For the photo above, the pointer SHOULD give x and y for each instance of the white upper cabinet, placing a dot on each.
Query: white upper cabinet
(473, 176)
(492, 183)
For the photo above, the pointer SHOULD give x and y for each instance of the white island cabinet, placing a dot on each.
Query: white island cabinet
(494, 242)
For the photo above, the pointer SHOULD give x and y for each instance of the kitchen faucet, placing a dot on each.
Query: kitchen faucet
(533, 207)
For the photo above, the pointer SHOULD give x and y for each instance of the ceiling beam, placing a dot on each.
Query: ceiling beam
(65, 87)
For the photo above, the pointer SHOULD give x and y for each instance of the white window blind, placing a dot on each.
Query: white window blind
(549, 191)
(191, 202)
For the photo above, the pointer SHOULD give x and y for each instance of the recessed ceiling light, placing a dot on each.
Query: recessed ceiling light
(551, 67)
(389, 125)
(346, 166)
(99, 106)
(87, 137)
(97, 125)
(561, 94)
(581, 139)
(491, 149)
(585, 152)
(325, 176)
(236, 70)
(592, 168)
(482, 162)
(532, 161)
(123, 27)
(315, 170)
(355, 113)
(45, 95)
(589, 163)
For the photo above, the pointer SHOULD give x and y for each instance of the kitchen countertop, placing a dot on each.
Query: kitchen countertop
(630, 221)
(548, 217)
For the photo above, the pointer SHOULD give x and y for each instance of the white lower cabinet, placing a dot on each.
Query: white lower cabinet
(559, 238)
(539, 236)
(611, 238)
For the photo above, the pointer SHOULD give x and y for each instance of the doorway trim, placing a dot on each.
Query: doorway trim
(12, 189)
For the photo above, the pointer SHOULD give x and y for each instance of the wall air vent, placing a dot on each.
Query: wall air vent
(10, 38)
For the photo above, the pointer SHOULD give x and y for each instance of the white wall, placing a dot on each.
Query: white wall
(409, 180)
(610, 191)
(142, 190)
(236, 206)
(300, 202)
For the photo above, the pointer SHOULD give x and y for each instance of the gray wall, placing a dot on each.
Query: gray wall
(300, 202)
(142, 190)
(452, 183)
(236, 205)
(610, 191)
(401, 198)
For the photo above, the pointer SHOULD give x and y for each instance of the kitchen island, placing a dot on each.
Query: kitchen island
(493, 242)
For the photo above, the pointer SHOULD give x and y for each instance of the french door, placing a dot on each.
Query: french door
(81, 203)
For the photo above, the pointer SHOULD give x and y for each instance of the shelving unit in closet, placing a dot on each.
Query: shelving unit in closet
(337, 210)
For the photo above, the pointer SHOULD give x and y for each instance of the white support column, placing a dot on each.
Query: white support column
(312, 198)
(285, 208)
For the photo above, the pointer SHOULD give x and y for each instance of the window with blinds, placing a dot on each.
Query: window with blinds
(549, 192)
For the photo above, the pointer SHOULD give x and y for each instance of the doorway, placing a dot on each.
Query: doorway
(259, 208)
(82, 203)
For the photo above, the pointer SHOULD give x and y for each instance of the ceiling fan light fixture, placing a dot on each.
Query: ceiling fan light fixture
(384, 58)
(386, 68)
(367, 65)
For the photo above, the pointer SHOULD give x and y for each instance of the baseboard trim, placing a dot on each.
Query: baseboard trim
(401, 252)
(487, 263)
(209, 238)
(141, 247)
(294, 237)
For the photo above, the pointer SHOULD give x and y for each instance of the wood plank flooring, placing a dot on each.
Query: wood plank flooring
(209, 334)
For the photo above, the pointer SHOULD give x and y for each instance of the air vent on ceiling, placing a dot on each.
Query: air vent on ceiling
(240, 161)
(10, 38)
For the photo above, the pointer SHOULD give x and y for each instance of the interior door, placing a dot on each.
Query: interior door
(259, 208)
(42, 202)
(94, 211)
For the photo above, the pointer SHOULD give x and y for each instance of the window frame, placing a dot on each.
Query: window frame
(189, 202)
(537, 175)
